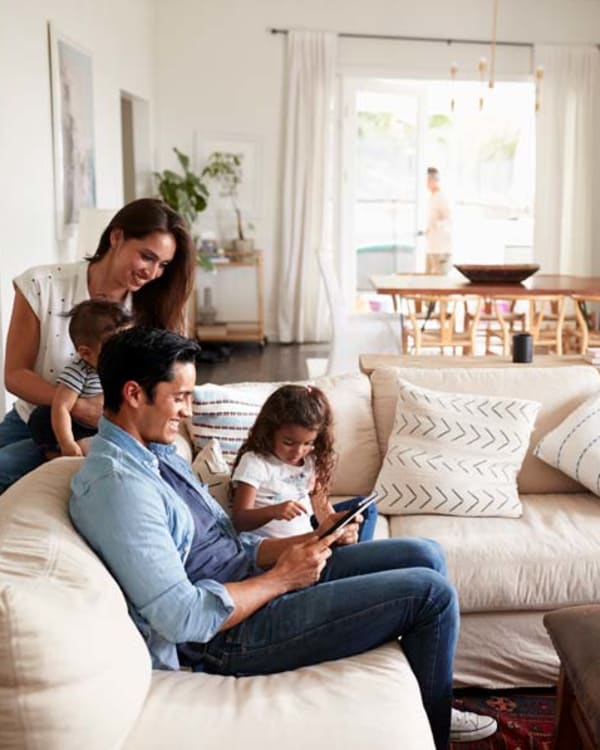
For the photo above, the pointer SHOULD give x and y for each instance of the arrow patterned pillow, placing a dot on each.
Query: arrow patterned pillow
(455, 454)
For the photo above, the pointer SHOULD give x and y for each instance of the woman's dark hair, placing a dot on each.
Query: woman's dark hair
(146, 355)
(301, 405)
(160, 303)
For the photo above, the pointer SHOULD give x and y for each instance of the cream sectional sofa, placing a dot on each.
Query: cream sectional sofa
(74, 672)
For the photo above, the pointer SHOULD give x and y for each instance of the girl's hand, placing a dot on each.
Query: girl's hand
(288, 510)
(348, 534)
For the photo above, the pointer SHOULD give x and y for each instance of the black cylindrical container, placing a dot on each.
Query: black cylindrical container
(522, 347)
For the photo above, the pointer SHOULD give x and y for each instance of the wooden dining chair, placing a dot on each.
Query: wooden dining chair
(434, 322)
(501, 317)
(585, 331)
(546, 321)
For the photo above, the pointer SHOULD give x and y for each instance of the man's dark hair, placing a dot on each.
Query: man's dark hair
(94, 319)
(146, 355)
(433, 172)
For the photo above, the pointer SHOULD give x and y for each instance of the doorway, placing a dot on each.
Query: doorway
(392, 131)
(136, 156)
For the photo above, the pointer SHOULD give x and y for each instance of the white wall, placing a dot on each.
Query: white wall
(120, 37)
(219, 73)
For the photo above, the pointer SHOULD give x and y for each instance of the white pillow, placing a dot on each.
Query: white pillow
(455, 454)
(212, 469)
(574, 446)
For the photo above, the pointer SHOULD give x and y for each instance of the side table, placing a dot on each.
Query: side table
(575, 633)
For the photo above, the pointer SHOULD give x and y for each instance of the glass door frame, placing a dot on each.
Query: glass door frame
(349, 87)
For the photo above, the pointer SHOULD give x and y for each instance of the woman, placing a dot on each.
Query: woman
(145, 259)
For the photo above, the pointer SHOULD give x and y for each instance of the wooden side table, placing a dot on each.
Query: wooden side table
(575, 633)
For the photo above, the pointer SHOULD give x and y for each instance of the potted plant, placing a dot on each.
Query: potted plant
(226, 168)
(187, 195)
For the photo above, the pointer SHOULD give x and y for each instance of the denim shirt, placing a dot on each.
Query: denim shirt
(143, 531)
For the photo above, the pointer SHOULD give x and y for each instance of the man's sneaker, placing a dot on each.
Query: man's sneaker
(466, 726)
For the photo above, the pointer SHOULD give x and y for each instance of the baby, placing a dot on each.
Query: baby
(53, 428)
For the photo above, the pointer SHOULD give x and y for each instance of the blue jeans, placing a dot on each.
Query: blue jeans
(368, 594)
(18, 453)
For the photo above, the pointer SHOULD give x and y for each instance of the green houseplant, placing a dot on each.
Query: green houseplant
(186, 194)
(226, 169)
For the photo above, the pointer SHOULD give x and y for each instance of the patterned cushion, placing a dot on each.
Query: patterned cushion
(212, 469)
(455, 454)
(574, 446)
(226, 414)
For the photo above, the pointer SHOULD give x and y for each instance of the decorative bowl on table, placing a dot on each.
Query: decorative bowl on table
(497, 273)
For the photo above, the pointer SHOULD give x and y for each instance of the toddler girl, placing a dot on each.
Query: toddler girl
(283, 471)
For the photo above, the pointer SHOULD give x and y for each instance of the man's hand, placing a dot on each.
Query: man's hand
(288, 510)
(302, 564)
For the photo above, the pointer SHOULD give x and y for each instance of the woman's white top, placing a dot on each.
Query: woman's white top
(276, 482)
(51, 290)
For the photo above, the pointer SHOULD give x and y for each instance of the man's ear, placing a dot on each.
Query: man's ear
(133, 394)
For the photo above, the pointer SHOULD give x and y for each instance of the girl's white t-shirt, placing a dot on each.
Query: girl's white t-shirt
(276, 482)
(51, 290)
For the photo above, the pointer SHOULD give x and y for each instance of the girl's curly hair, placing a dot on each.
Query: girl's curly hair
(302, 405)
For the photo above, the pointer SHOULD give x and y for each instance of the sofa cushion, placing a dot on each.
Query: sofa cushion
(455, 454)
(226, 413)
(548, 558)
(559, 389)
(371, 701)
(212, 469)
(574, 446)
(74, 671)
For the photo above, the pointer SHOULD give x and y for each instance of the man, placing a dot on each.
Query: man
(191, 581)
(437, 233)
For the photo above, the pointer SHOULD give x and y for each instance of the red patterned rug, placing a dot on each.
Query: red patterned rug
(525, 718)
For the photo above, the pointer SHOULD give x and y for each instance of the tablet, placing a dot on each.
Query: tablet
(349, 515)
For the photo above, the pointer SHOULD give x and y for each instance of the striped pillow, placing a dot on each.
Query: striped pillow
(574, 446)
(226, 413)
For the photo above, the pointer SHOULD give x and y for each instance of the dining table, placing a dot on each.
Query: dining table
(398, 285)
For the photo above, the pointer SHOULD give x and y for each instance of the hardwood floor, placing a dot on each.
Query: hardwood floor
(247, 362)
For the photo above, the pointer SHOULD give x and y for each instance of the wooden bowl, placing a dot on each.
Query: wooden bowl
(498, 274)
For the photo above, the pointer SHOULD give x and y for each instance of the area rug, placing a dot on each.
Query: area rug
(525, 718)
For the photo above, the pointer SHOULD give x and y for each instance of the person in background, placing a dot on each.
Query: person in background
(203, 596)
(283, 471)
(52, 428)
(438, 238)
(145, 260)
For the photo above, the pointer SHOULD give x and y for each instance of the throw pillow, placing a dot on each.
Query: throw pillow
(574, 446)
(225, 413)
(455, 454)
(212, 470)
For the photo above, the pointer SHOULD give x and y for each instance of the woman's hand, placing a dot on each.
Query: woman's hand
(88, 410)
(302, 564)
(71, 449)
(347, 535)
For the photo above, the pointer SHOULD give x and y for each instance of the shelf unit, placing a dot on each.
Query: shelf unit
(238, 330)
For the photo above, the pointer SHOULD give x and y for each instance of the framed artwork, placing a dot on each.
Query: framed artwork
(220, 214)
(72, 129)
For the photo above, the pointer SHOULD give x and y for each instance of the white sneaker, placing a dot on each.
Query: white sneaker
(465, 726)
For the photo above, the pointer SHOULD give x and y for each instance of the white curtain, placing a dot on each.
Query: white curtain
(566, 204)
(311, 64)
